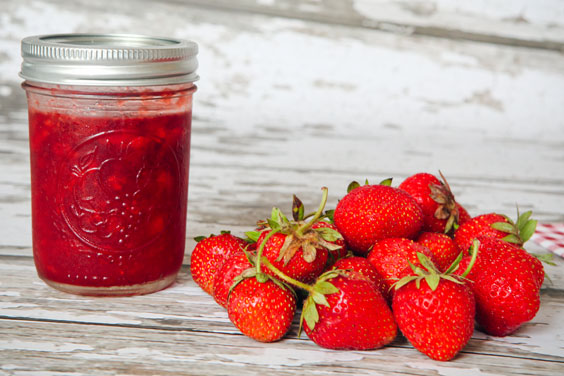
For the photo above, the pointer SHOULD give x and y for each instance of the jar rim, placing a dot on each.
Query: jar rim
(108, 59)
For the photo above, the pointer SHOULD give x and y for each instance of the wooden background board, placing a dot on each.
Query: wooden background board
(296, 95)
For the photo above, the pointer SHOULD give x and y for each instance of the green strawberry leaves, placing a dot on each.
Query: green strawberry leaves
(253, 236)
(547, 258)
(297, 209)
(429, 272)
(386, 182)
(352, 185)
(325, 288)
(330, 214)
(329, 234)
(202, 237)
(309, 314)
(504, 226)
(316, 296)
(518, 232)
(527, 229)
(278, 221)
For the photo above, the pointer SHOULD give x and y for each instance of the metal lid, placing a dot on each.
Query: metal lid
(108, 60)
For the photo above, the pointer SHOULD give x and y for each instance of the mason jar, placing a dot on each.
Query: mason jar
(109, 136)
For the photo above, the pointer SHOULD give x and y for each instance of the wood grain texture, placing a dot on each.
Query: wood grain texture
(526, 23)
(107, 350)
(185, 311)
(295, 95)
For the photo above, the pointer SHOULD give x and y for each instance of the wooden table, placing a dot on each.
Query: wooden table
(296, 95)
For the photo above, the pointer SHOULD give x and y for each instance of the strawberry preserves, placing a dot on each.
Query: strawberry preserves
(109, 172)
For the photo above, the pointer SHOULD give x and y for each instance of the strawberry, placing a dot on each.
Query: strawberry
(391, 257)
(231, 269)
(263, 310)
(364, 267)
(373, 212)
(434, 311)
(442, 246)
(344, 311)
(497, 226)
(298, 248)
(506, 284)
(209, 255)
(303, 263)
(440, 210)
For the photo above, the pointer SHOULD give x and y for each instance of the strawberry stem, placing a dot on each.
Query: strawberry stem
(261, 248)
(474, 251)
(303, 228)
(284, 277)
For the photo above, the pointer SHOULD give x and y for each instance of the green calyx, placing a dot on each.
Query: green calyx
(518, 232)
(261, 277)
(202, 237)
(316, 296)
(547, 258)
(299, 232)
(354, 184)
(429, 272)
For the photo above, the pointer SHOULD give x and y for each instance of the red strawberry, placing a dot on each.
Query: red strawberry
(344, 311)
(434, 311)
(364, 267)
(263, 311)
(391, 257)
(497, 226)
(441, 211)
(506, 286)
(479, 226)
(298, 248)
(373, 212)
(209, 255)
(303, 263)
(226, 276)
(442, 246)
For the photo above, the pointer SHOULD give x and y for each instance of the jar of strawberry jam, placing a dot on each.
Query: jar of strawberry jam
(109, 133)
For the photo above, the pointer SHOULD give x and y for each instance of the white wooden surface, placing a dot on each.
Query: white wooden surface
(295, 95)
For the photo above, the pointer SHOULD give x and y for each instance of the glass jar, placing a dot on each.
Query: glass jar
(109, 132)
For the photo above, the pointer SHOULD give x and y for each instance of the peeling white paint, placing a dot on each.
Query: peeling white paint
(42, 346)
(9, 293)
(73, 316)
(16, 305)
(5, 90)
(526, 19)
(215, 316)
(452, 370)
(47, 373)
(139, 353)
(278, 357)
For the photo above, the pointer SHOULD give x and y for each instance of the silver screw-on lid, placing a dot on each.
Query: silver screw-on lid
(108, 60)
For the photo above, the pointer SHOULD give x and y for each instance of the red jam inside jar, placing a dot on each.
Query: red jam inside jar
(109, 135)
(109, 170)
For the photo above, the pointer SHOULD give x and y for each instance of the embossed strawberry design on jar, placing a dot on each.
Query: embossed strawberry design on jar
(120, 184)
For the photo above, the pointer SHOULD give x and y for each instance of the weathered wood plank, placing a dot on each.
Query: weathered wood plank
(526, 23)
(185, 307)
(62, 348)
(296, 95)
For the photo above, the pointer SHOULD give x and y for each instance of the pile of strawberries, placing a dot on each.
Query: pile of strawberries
(386, 258)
